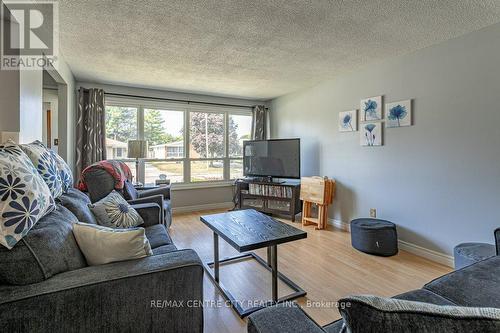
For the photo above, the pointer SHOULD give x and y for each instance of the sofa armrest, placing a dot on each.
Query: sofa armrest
(497, 240)
(150, 213)
(282, 318)
(163, 190)
(156, 293)
(156, 199)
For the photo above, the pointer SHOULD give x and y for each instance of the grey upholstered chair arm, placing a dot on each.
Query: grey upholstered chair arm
(163, 190)
(157, 199)
(282, 318)
(150, 213)
(497, 240)
(124, 296)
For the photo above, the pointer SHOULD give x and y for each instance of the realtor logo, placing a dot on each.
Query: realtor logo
(28, 37)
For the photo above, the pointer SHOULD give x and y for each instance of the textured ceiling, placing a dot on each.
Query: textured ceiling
(250, 48)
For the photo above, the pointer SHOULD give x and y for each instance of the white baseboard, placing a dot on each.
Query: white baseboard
(218, 205)
(420, 251)
(426, 253)
(340, 224)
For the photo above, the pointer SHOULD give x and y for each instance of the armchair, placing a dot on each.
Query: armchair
(100, 183)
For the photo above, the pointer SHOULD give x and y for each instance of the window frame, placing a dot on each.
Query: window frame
(187, 108)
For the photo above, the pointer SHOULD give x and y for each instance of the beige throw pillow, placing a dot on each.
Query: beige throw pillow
(101, 245)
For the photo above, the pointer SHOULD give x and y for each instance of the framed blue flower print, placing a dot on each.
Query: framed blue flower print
(348, 121)
(398, 114)
(371, 109)
(371, 134)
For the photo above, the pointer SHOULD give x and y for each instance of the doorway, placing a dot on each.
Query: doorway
(50, 116)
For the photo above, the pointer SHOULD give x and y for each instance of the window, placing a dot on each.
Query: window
(186, 143)
(172, 170)
(206, 135)
(121, 126)
(240, 127)
(163, 129)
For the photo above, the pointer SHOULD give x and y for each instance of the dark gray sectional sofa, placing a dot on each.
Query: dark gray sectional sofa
(477, 285)
(46, 285)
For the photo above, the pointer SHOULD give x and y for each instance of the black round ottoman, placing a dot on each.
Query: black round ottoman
(374, 236)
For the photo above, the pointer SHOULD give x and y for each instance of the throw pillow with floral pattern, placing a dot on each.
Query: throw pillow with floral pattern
(64, 171)
(24, 196)
(46, 166)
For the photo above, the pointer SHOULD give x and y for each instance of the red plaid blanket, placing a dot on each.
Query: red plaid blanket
(119, 170)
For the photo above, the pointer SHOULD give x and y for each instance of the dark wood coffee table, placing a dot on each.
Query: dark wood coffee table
(247, 230)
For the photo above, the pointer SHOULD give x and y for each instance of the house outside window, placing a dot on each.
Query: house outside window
(187, 143)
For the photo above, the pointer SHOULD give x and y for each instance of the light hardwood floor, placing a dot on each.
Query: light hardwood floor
(324, 265)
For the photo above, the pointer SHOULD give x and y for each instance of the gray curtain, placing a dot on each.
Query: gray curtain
(260, 122)
(90, 129)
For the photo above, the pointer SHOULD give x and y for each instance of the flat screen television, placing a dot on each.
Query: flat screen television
(278, 158)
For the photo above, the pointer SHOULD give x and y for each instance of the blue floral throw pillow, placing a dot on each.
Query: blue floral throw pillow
(64, 171)
(24, 196)
(114, 212)
(46, 166)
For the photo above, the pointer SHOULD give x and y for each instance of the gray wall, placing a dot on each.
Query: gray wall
(66, 110)
(30, 106)
(9, 97)
(438, 180)
(201, 196)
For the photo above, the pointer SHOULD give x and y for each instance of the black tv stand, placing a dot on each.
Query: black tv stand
(274, 198)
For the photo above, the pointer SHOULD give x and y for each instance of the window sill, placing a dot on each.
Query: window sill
(201, 185)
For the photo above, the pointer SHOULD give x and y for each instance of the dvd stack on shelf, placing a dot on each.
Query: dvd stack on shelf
(270, 198)
(270, 190)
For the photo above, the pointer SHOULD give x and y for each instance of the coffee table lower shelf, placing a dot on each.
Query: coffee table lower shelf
(270, 265)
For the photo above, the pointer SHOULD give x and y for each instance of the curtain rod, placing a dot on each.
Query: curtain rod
(177, 100)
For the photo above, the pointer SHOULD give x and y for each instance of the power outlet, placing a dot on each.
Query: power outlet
(373, 213)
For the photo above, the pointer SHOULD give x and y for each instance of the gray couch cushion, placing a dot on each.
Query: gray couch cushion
(48, 249)
(419, 295)
(77, 203)
(335, 327)
(19, 266)
(111, 298)
(158, 236)
(99, 183)
(475, 285)
(466, 254)
(283, 318)
(129, 191)
(423, 295)
(164, 249)
(378, 314)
